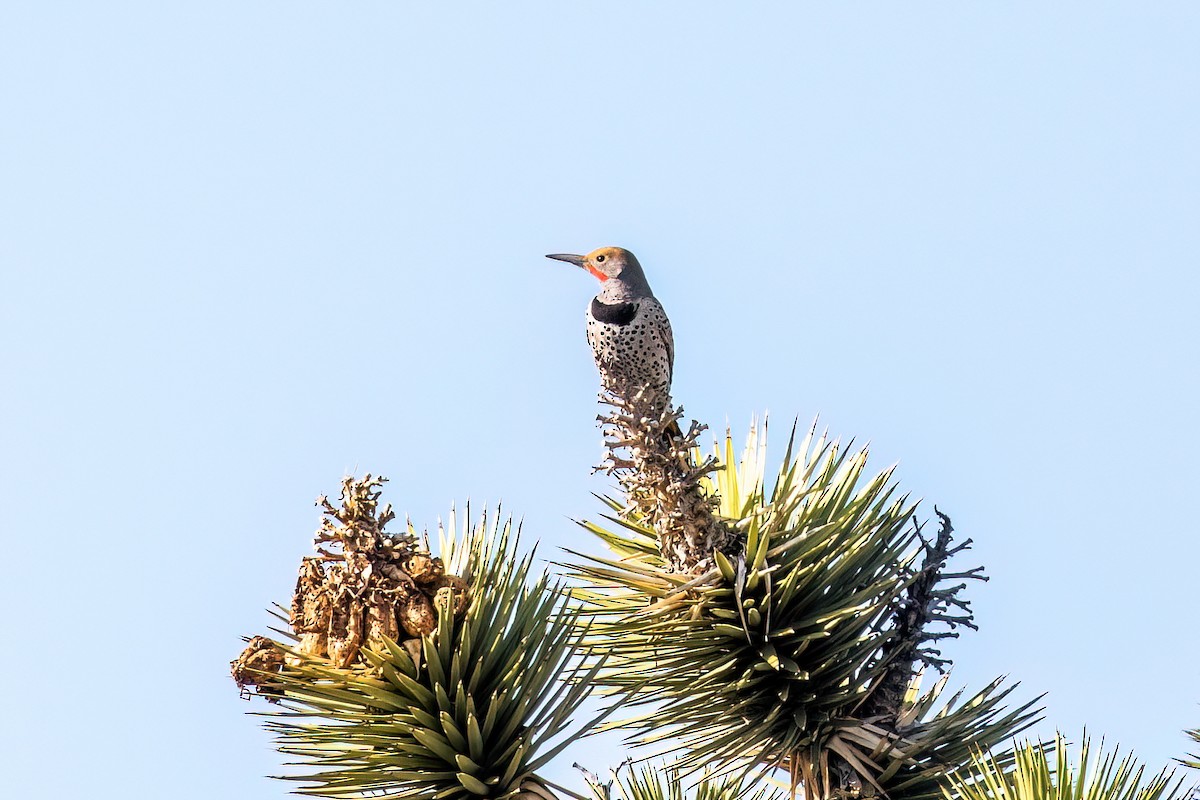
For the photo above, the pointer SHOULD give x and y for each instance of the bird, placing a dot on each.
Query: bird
(627, 327)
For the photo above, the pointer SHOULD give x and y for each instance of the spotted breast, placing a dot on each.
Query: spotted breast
(632, 344)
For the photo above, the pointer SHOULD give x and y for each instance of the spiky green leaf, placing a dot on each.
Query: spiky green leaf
(1039, 771)
(494, 693)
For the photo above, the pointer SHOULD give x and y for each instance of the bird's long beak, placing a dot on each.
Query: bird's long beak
(570, 259)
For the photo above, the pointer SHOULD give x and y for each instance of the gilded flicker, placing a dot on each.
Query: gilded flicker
(626, 326)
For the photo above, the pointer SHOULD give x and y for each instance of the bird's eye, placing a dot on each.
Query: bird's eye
(599, 259)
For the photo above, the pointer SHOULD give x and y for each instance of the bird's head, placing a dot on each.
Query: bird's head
(607, 263)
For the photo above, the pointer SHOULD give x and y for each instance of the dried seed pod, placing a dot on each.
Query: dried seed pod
(395, 548)
(417, 616)
(309, 587)
(316, 612)
(311, 607)
(356, 539)
(358, 573)
(314, 643)
(424, 568)
(381, 622)
(345, 633)
(260, 656)
(457, 588)
(443, 597)
(413, 646)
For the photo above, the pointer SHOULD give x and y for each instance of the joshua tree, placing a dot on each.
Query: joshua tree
(803, 647)
(800, 648)
(741, 624)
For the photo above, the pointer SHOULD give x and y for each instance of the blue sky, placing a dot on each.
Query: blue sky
(246, 248)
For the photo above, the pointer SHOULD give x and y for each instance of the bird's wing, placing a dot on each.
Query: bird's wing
(669, 341)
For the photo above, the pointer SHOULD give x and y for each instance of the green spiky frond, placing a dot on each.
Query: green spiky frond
(1193, 759)
(649, 782)
(773, 658)
(1044, 772)
(934, 735)
(474, 711)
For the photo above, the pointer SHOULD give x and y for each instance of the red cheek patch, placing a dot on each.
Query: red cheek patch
(597, 272)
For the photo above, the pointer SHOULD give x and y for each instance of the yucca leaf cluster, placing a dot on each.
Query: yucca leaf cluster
(656, 782)
(1193, 760)
(475, 711)
(771, 658)
(1041, 771)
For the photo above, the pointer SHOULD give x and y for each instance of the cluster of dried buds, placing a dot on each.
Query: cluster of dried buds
(364, 584)
(261, 658)
(651, 457)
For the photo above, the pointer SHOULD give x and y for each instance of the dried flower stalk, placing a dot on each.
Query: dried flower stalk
(651, 458)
